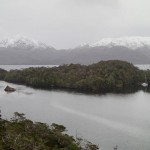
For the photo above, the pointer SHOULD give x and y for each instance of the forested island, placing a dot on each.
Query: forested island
(23, 134)
(102, 77)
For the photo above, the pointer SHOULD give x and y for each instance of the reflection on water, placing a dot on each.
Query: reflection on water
(107, 120)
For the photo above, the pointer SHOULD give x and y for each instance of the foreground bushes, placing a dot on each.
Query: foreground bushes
(22, 134)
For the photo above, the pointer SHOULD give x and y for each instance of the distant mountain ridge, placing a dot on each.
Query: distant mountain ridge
(21, 50)
(22, 42)
(128, 42)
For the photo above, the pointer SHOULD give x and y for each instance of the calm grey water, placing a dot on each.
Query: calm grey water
(9, 67)
(12, 67)
(143, 67)
(107, 120)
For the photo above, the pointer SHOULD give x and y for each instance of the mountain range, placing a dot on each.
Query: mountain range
(20, 50)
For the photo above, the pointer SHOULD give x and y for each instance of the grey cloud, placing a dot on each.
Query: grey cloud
(91, 3)
(68, 23)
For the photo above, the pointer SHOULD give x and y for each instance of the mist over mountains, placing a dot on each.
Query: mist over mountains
(21, 50)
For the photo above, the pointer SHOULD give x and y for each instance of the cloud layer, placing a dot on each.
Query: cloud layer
(68, 23)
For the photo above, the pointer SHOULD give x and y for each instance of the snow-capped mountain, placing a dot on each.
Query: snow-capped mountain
(83, 45)
(128, 42)
(21, 50)
(22, 42)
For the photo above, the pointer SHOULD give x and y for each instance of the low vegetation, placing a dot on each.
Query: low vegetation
(105, 76)
(2, 73)
(23, 134)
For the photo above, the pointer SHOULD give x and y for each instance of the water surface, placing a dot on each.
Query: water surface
(107, 120)
(20, 67)
(12, 67)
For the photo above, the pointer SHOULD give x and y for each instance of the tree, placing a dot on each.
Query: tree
(24, 134)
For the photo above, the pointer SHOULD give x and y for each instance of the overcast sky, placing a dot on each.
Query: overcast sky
(69, 23)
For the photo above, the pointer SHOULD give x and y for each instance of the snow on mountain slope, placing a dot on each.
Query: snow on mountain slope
(22, 42)
(129, 42)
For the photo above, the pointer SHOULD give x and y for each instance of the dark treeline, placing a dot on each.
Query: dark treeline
(23, 134)
(105, 76)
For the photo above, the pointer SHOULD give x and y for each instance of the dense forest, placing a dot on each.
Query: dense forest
(23, 134)
(105, 76)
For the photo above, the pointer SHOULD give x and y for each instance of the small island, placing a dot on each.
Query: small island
(102, 77)
(9, 89)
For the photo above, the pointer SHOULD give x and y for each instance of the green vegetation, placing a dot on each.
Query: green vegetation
(2, 74)
(22, 134)
(105, 76)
